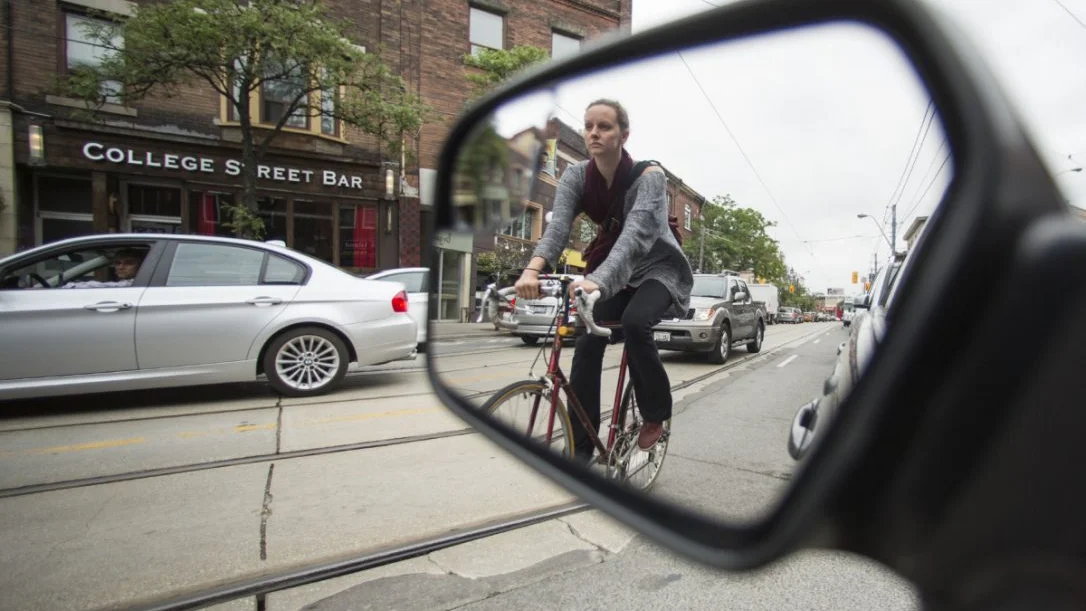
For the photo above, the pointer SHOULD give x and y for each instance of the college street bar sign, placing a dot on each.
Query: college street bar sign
(98, 152)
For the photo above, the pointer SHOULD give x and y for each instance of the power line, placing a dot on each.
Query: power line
(1061, 6)
(920, 147)
(915, 197)
(851, 237)
(945, 160)
(912, 150)
(741, 151)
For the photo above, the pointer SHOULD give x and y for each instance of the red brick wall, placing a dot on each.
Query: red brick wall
(527, 22)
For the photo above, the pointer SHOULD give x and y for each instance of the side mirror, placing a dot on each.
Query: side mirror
(892, 62)
(739, 296)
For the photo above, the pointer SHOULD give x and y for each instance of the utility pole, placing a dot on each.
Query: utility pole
(893, 232)
(701, 248)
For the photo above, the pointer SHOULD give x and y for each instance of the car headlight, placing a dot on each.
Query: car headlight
(703, 313)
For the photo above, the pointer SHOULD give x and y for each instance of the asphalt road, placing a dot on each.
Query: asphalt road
(110, 499)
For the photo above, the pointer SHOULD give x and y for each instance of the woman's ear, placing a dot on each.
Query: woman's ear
(625, 136)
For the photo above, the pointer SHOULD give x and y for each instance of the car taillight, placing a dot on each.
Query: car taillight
(399, 302)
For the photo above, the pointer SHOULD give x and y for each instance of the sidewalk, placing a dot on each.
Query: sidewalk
(456, 330)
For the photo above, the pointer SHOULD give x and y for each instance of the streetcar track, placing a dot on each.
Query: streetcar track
(261, 586)
(229, 462)
(259, 458)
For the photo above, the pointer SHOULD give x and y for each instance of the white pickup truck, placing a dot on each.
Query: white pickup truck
(769, 295)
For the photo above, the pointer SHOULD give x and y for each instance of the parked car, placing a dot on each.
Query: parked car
(808, 317)
(533, 319)
(76, 318)
(721, 314)
(852, 357)
(789, 315)
(416, 281)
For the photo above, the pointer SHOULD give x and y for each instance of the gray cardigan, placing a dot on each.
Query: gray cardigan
(645, 250)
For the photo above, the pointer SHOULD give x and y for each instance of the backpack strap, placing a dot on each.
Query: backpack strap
(615, 218)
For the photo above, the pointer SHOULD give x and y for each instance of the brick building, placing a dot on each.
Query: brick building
(167, 164)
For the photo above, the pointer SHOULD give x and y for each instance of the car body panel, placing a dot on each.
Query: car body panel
(37, 324)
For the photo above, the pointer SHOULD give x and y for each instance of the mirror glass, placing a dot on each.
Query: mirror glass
(798, 168)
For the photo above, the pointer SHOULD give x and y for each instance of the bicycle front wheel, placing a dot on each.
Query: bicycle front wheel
(526, 407)
(636, 467)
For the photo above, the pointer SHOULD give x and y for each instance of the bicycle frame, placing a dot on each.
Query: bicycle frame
(559, 382)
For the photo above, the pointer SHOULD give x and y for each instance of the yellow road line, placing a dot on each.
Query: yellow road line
(94, 445)
(245, 428)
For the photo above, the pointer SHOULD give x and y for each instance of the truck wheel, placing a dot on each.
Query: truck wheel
(723, 348)
(755, 345)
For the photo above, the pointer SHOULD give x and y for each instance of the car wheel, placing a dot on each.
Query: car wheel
(531, 340)
(305, 361)
(723, 348)
(755, 345)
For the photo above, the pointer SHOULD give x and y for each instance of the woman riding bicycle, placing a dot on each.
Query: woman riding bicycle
(635, 262)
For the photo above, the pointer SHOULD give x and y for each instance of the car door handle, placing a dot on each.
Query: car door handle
(263, 302)
(107, 306)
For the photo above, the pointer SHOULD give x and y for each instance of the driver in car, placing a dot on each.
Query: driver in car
(126, 264)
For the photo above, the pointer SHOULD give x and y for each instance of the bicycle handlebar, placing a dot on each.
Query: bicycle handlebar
(585, 304)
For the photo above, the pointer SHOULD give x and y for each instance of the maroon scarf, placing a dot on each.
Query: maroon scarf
(598, 201)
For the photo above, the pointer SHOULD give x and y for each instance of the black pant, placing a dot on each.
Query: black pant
(639, 310)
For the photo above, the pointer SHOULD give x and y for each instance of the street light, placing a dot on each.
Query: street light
(1069, 170)
(868, 216)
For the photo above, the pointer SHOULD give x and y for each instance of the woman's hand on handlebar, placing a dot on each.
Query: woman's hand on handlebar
(587, 285)
(528, 284)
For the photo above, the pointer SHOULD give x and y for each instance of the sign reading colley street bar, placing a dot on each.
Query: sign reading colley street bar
(96, 151)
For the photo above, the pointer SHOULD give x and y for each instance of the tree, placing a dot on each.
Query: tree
(728, 236)
(498, 65)
(293, 50)
(505, 260)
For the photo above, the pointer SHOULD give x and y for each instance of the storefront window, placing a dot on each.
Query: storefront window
(274, 214)
(358, 237)
(53, 229)
(313, 229)
(208, 212)
(154, 209)
(64, 208)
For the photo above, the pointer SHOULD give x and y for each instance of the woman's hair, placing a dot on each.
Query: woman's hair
(620, 112)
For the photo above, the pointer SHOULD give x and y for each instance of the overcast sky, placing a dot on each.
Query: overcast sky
(1035, 49)
(816, 126)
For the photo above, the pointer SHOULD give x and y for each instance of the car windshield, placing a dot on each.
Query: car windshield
(708, 286)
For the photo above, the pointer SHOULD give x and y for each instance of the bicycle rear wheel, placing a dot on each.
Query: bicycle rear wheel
(514, 404)
(636, 467)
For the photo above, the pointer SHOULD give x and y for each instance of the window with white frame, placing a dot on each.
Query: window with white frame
(486, 30)
(521, 227)
(282, 92)
(82, 50)
(689, 217)
(564, 45)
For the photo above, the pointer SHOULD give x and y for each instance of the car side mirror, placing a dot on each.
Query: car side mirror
(703, 501)
(739, 296)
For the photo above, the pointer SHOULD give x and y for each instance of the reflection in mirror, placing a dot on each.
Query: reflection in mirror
(795, 174)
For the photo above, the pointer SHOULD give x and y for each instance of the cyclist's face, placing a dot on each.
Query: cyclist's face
(602, 134)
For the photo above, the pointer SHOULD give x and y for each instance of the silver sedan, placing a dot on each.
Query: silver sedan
(120, 312)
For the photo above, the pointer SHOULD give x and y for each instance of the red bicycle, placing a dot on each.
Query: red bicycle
(518, 404)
